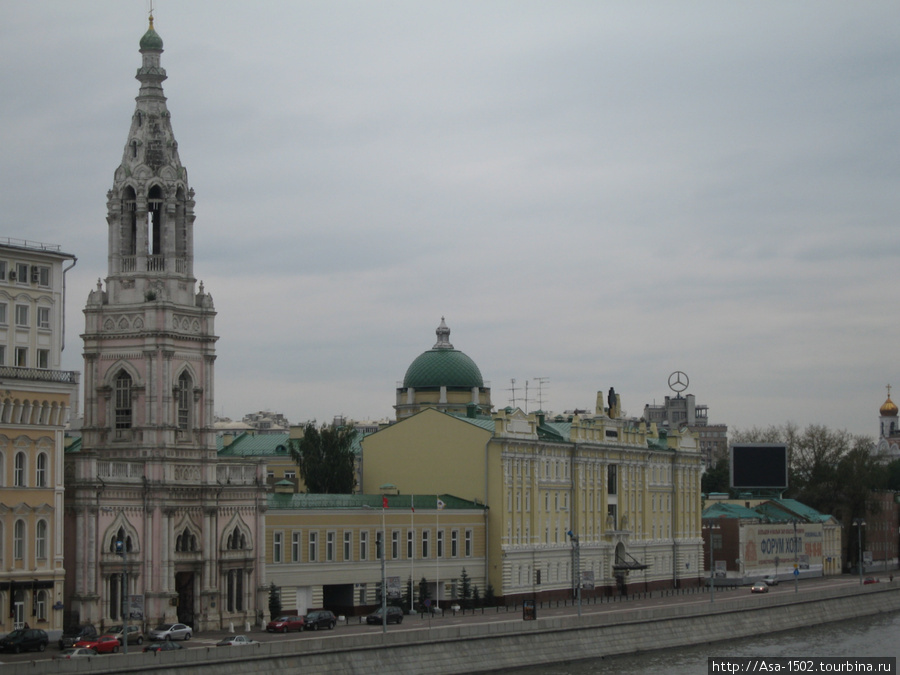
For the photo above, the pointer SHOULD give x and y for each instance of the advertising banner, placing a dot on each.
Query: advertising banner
(777, 548)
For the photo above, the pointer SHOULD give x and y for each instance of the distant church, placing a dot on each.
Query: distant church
(888, 447)
(156, 524)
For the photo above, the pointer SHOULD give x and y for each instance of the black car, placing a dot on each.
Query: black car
(319, 619)
(76, 633)
(25, 639)
(394, 615)
(166, 646)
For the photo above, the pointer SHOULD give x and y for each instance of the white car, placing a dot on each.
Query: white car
(235, 641)
(171, 631)
(770, 580)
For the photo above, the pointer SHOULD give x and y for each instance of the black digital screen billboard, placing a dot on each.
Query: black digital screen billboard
(759, 465)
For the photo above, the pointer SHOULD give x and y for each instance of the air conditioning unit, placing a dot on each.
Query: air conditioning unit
(12, 275)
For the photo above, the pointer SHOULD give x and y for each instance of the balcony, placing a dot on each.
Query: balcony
(39, 374)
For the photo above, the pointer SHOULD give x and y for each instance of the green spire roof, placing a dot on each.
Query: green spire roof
(151, 39)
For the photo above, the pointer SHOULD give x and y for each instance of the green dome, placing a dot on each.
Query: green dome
(151, 39)
(443, 368)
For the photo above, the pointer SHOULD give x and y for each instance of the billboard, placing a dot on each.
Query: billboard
(759, 466)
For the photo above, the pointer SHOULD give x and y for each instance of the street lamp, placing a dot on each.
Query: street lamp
(796, 563)
(576, 554)
(122, 550)
(710, 526)
(859, 523)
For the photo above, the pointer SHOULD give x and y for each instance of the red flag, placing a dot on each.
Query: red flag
(384, 501)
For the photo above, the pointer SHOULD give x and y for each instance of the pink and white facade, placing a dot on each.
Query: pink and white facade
(147, 474)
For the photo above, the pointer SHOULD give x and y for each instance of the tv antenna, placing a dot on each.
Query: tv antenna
(541, 381)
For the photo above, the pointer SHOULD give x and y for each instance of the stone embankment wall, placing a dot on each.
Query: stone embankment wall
(481, 647)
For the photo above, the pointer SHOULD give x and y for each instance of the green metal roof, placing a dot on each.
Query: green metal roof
(151, 39)
(255, 445)
(787, 509)
(443, 368)
(399, 502)
(726, 510)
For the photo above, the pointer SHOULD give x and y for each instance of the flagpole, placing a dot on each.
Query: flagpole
(383, 575)
(437, 552)
(412, 558)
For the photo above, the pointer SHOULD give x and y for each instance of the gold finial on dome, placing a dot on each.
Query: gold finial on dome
(889, 408)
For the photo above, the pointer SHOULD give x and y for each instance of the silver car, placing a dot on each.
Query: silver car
(171, 631)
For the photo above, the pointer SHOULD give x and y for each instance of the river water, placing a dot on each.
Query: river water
(877, 635)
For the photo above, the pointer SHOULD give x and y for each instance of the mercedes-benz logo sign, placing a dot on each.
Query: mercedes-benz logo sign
(678, 381)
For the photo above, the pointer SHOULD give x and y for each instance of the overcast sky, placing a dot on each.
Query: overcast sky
(595, 193)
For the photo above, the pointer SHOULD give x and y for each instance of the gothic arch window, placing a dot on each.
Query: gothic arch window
(155, 209)
(236, 540)
(123, 412)
(19, 470)
(129, 218)
(40, 478)
(185, 396)
(124, 537)
(180, 224)
(235, 591)
(186, 542)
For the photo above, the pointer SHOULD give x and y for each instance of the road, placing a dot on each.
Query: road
(424, 622)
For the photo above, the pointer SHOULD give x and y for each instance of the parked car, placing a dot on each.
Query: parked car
(24, 639)
(166, 646)
(394, 615)
(871, 580)
(171, 631)
(759, 587)
(285, 623)
(319, 619)
(76, 633)
(135, 634)
(105, 644)
(236, 641)
(770, 580)
(75, 653)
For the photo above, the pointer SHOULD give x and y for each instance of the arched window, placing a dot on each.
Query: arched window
(155, 207)
(185, 398)
(19, 540)
(19, 470)
(186, 542)
(122, 536)
(40, 540)
(40, 605)
(41, 475)
(123, 412)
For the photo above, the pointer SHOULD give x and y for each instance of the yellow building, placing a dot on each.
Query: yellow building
(596, 498)
(35, 401)
(322, 550)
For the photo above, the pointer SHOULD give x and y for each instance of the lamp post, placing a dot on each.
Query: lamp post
(122, 550)
(796, 561)
(576, 554)
(710, 526)
(859, 523)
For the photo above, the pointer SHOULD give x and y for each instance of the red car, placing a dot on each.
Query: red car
(105, 644)
(285, 623)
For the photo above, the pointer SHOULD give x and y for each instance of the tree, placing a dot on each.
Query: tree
(489, 599)
(423, 592)
(465, 588)
(325, 459)
(476, 597)
(274, 600)
(717, 478)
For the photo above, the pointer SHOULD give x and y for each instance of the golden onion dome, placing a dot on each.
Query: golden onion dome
(889, 408)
